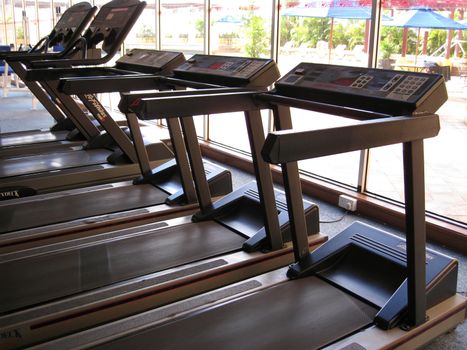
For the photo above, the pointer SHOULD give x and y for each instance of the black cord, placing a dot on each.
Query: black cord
(334, 220)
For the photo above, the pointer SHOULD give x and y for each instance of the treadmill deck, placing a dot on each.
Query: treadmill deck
(110, 199)
(303, 314)
(31, 137)
(37, 279)
(49, 162)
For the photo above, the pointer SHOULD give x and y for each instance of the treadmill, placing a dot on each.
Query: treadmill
(364, 288)
(71, 25)
(23, 218)
(107, 30)
(116, 274)
(99, 161)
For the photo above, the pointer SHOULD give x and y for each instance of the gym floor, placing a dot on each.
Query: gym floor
(16, 114)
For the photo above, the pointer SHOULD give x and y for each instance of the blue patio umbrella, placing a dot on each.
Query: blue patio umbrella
(334, 9)
(229, 19)
(424, 17)
(228, 24)
(330, 9)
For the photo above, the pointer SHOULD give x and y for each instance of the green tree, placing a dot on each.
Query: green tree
(199, 25)
(390, 41)
(436, 38)
(257, 40)
(355, 34)
(311, 31)
(287, 25)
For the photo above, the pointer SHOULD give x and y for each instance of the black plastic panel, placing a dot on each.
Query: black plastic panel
(229, 71)
(385, 91)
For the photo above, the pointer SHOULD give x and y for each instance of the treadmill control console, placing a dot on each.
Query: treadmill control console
(384, 91)
(150, 61)
(73, 16)
(113, 22)
(229, 71)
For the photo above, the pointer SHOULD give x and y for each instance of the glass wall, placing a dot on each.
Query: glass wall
(9, 22)
(438, 48)
(182, 26)
(31, 24)
(45, 16)
(143, 34)
(21, 26)
(2, 25)
(325, 31)
(238, 28)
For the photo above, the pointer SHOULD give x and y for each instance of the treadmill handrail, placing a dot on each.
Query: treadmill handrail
(347, 112)
(128, 98)
(288, 145)
(177, 82)
(40, 74)
(20, 57)
(111, 83)
(221, 102)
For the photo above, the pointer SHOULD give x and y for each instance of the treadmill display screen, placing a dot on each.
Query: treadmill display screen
(360, 87)
(71, 21)
(232, 66)
(406, 86)
(149, 58)
(73, 17)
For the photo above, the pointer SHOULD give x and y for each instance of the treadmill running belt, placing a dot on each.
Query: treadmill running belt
(21, 216)
(48, 162)
(32, 137)
(42, 278)
(304, 314)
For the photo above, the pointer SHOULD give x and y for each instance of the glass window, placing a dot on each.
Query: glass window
(31, 22)
(9, 23)
(405, 47)
(143, 33)
(230, 130)
(238, 29)
(342, 168)
(241, 28)
(182, 26)
(58, 7)
(2, 25)
(45, 17)
(21, 38)
(324, 31)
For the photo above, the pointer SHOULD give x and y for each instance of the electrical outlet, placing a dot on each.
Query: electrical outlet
(348, 203)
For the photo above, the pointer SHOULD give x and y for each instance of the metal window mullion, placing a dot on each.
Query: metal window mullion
(374, 33)
(363, 170)
(207, 27)
(158, 28)
(36, 10)
(207, 50)
(4, 20)
(275, 30)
